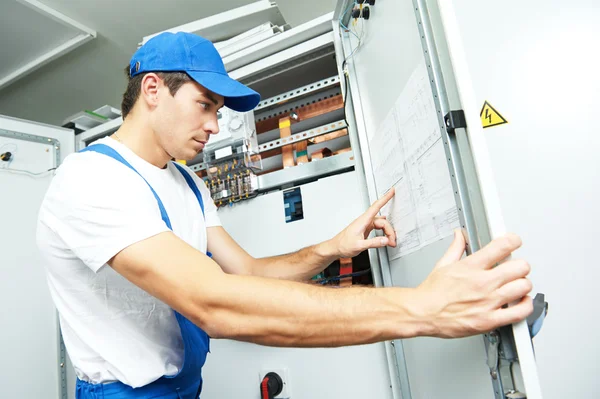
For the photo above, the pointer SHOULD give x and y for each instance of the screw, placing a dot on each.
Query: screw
(62, 365)
(494, 375)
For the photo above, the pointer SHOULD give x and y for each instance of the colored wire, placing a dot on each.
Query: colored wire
(344, 72)
(362, 32)
(352, 5)
(345, 90)
(21, 171)
(337, 278)
(14, 149)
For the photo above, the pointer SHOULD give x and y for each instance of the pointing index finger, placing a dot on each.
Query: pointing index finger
(380, 203)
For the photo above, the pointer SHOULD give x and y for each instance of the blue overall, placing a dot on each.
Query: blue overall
(187, 384)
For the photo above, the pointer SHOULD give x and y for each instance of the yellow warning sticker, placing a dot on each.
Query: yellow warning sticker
(490, 117)
(285, 123)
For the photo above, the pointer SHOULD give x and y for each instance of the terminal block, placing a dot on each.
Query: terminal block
(232, 159)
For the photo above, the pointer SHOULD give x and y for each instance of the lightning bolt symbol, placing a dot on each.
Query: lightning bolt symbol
(488, 115)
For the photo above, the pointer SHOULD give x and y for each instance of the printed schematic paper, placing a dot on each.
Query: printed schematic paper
(407, 153)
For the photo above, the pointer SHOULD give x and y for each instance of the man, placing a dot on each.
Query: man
(126, 232)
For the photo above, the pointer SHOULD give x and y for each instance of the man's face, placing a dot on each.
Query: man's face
(184, 122)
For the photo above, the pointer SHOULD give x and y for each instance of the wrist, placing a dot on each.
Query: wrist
(416, 319)
(327, 251)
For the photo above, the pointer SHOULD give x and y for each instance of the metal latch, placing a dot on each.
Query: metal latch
(492, 353)
(502, 354)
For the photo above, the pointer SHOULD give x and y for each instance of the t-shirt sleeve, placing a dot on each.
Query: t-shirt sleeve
(99, 208)
(211, 213)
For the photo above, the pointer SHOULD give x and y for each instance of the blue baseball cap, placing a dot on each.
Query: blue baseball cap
(198, 57)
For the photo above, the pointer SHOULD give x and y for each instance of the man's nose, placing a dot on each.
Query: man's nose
(211, 126)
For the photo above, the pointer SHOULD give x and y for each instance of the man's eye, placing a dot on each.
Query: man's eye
(204, 105)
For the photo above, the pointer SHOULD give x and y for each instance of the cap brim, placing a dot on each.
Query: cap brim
(237, 96)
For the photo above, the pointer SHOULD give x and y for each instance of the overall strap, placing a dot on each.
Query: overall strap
(109, 151)
(192, 184)
(190, 181)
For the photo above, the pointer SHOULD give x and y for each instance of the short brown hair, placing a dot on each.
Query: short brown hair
(173, 80)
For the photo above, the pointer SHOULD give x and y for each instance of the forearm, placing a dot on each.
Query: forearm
(268, 311)
(283, 313)
(298, 266)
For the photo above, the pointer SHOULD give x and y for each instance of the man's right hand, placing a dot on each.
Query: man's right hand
(466, 297)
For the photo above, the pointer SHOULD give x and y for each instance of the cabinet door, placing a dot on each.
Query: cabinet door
(401, 85)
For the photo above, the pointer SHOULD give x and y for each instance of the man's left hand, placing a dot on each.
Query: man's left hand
(354, 238)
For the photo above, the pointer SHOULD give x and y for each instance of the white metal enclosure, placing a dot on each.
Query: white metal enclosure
(232, 369)
(30, 334)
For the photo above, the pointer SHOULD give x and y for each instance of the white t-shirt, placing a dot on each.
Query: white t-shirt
(94, 208)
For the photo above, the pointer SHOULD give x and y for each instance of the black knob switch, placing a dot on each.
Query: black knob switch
(271, 386)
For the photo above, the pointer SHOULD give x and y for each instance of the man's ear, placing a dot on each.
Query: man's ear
(150, 86)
